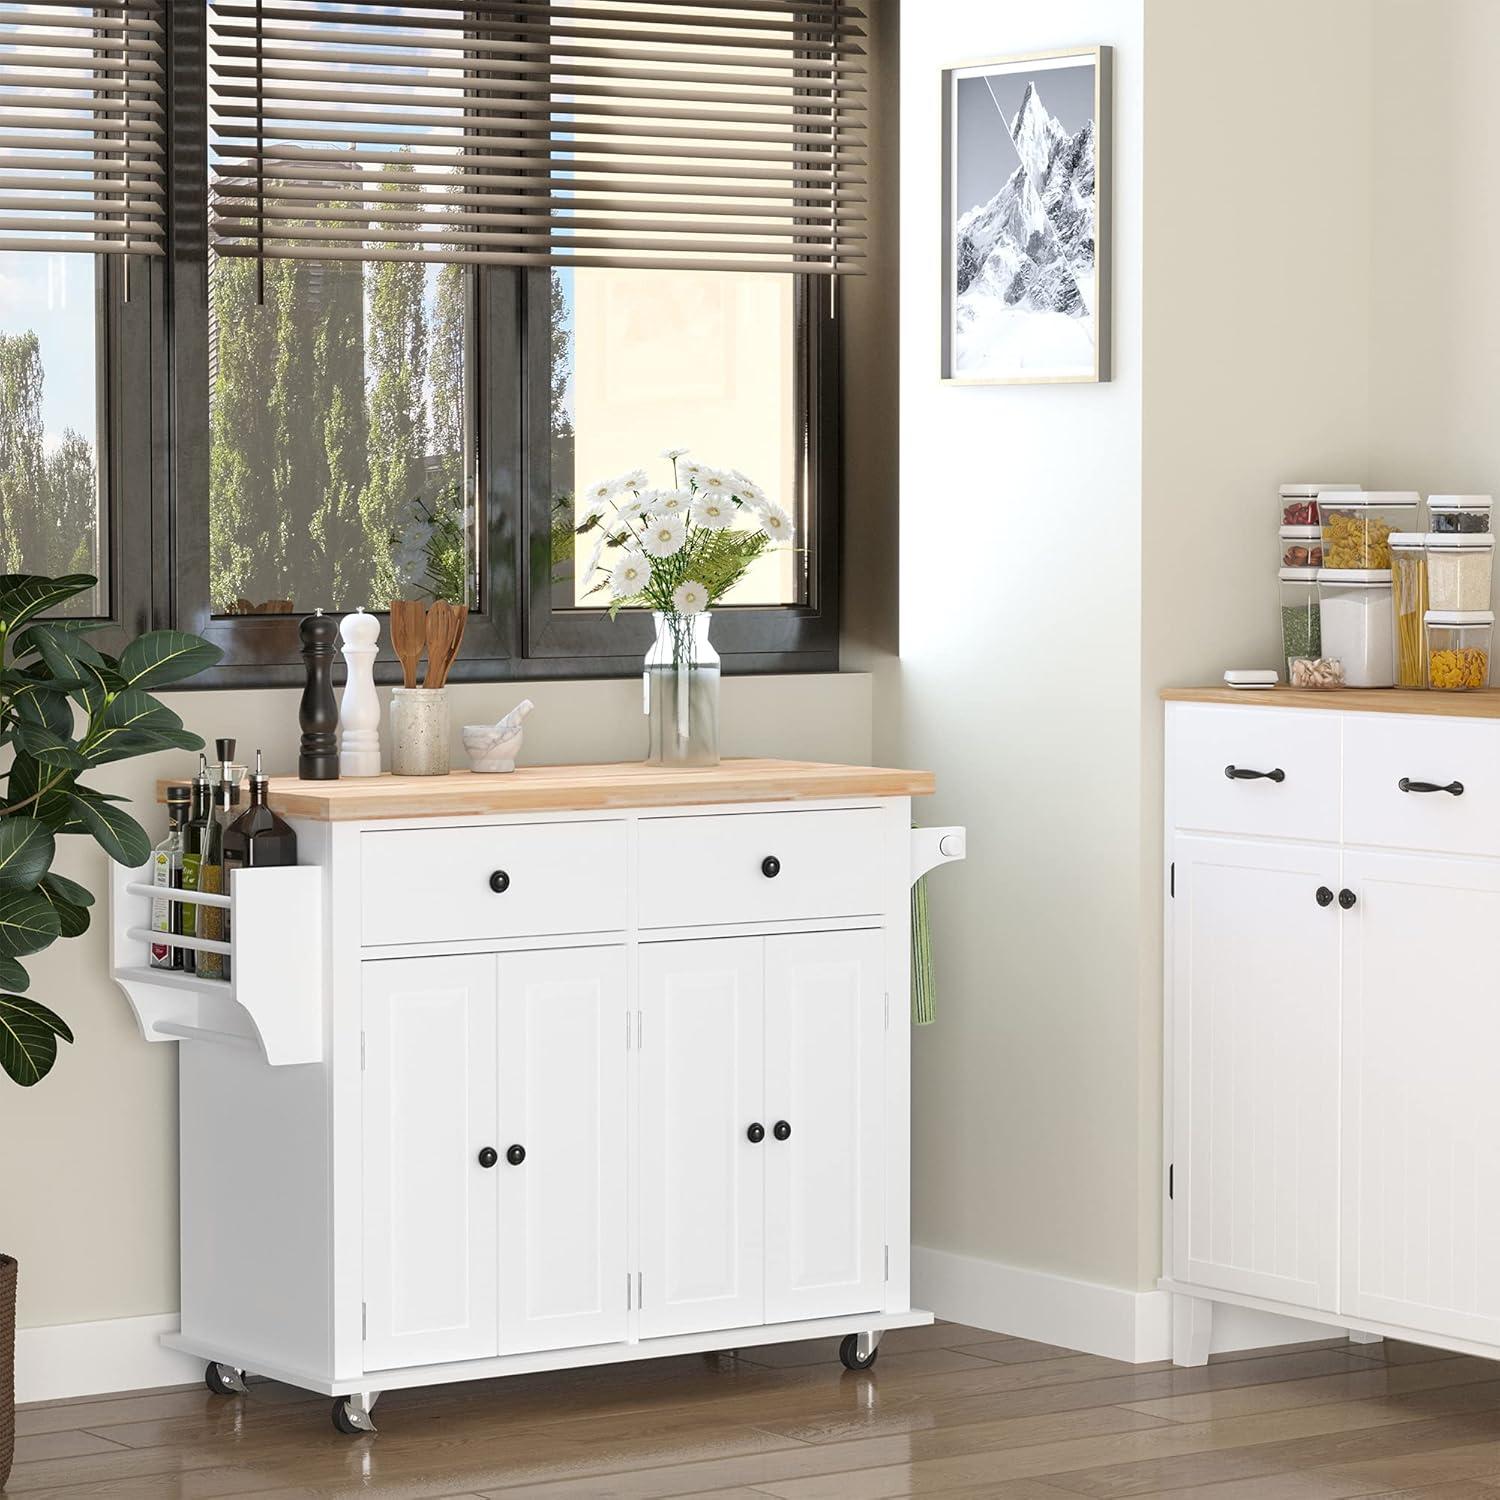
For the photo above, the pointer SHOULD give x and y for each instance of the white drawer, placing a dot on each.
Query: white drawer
(1297, 750)
(761, 867)
(435, 885)
(1383, 750)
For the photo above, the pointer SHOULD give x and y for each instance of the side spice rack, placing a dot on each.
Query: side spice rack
(273, 998)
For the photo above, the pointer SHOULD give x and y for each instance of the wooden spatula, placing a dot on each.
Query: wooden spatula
(408, 632)
(442, 627)
(458, 617)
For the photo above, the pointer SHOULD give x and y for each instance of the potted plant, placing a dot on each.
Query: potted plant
(49, 670)
(678, 552)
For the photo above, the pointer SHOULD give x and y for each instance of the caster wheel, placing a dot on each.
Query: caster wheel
(849, 1354)
(350, 1420)
(224, 1380)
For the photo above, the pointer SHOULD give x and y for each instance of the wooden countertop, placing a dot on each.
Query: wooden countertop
(1482, 703)
(584, 789)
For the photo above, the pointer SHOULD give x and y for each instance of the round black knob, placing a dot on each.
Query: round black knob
(781, 1130)
(488, 1157)
(499, 882)
(770, 867)
(1325, 896)
(756, 1133)
(1347, 898)
(516, 1155)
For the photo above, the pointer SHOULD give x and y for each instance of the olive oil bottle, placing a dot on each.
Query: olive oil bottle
(258, 837)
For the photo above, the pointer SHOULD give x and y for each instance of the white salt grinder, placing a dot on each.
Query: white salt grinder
(359, 710)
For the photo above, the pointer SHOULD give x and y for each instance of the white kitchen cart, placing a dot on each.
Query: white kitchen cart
(566, 1067)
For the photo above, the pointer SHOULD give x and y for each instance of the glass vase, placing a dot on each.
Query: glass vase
(682, 693)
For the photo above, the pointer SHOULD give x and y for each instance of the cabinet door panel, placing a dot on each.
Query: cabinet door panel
(562, 1098)
(1256, 1064)
(825, 1079)
(1421, 1112)
(429, 1109)
(702, 1179)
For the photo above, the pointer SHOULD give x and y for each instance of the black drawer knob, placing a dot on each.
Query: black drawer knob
(770, 867)
(499, 882)
(1325, 896)
(488, 1157)
(1347, 898)
(516, 1155)
(781, 1130)
(756, 1133)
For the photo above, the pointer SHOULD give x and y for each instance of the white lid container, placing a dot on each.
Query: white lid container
(1300, 546)
(1250, 677)
(1357, 527)
(1357, 624)
(1460, 571)
(1460, 502)
(1468, 515)
(1409, 601)
(1299, 502)
(1312, 491)
(1459, 648)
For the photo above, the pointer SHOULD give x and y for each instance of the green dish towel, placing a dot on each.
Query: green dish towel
(923, 982)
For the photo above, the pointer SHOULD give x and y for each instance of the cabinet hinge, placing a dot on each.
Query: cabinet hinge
(1171, 1178)
(1173, 888)
(364, 1320)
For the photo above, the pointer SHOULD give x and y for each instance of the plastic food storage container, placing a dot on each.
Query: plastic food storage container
(1466, 514)
(1301, 633)
(1315, 672)
(1458, 648)
(1409, 604)
(1459, 570)
(1357, 527)
(1299, 502)
(1300, 547)
(1358, 625)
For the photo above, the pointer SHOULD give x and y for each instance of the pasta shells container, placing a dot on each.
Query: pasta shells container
(1458, 649)
(1357, 527)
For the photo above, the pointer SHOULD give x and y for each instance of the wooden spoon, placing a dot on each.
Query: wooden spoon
(408, 631)
(458, 617)
(441, 629)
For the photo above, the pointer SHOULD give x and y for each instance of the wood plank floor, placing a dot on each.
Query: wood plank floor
(946, 1411)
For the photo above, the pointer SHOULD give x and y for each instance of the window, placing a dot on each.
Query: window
(50, 516)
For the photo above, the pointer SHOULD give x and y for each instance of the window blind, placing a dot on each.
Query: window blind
(663, 134)
(82, 136)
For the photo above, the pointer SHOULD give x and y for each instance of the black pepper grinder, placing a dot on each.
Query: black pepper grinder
(319, 714)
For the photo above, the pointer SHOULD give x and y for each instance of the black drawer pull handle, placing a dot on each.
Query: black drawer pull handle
(1324, 896)
(499, 882)
(1238, 773)
(1453, 789)
(1347, 898)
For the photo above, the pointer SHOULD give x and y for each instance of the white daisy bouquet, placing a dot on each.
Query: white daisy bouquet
(677, 550)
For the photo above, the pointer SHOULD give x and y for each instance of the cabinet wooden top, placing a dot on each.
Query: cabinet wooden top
(585, 788)
(1483, 703)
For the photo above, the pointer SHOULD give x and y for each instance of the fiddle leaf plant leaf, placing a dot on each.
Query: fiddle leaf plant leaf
(162, 656)
(23, 596)
(28, 1038)
(13, 975)
(72, 919)
(68, 890)
(26, 850)
(116, 832)
(28, 922)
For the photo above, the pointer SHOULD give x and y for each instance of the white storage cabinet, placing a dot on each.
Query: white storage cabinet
(1333, 1016)
(512, 1092)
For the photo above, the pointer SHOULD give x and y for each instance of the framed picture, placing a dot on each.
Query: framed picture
(1026, 218)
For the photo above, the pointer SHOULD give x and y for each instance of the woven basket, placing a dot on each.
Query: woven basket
(7, 1365)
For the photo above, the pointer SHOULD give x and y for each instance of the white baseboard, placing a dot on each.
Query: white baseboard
(92, 1359)
(1082, 1315)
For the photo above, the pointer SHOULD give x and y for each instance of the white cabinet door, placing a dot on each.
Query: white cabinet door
(563, 1247)
(701, 1177)
(825, 1088)
(1421, 1111)
(429, 1110)
(1256, 1066)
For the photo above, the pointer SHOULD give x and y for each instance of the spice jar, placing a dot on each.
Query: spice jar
(1458, 649)
(1301, 632)
(1357, 624)
(1459, 571)
(1409, 605)
(1299, 502)
(1466, 514)
(1300, 547)
(1357, 527)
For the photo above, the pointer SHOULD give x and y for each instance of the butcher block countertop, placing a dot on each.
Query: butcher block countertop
(1481, 703)
(584, 789)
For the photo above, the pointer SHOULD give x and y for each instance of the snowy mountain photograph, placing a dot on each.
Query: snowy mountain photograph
(1025, 298)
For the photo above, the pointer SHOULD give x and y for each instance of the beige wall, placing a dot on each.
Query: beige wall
(1020, 686)
(88, 1189)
